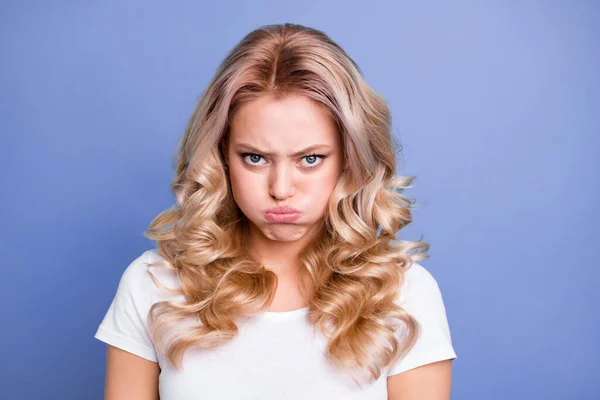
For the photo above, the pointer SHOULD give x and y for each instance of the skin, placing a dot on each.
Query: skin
(129, 376)
(260, 181)
(428, 382)
(277, 173)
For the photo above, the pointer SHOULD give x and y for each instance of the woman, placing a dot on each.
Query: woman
(278, 273)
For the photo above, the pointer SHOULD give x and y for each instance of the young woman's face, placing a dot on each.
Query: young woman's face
(285, 152)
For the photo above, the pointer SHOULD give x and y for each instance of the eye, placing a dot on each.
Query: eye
(313, 160)
(253, 157)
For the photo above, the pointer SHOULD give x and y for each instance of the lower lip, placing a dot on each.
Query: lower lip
(282, 218)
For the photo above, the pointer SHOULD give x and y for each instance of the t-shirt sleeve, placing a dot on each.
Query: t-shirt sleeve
(421, 297)
(125, 323)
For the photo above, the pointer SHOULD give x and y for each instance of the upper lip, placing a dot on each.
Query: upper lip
(282, 210)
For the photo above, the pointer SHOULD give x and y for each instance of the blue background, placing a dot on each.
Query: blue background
(496, 104)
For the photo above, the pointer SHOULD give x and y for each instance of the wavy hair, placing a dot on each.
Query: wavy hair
(351, 273)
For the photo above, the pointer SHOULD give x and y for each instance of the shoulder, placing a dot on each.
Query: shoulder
(125, 324)
(147, 275)
(419, 285)
(421, 297)
(419, 274)
(137, 273)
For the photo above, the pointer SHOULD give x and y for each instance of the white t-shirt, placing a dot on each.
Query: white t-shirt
(276, 355)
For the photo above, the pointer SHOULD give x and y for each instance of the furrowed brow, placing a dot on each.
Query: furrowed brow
(251, 149)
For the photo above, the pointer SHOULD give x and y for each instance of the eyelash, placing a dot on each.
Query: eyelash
(321, 156)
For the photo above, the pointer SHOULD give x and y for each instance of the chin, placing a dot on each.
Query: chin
(283, 232)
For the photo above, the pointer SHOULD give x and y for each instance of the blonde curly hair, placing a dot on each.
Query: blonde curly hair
(352, 272)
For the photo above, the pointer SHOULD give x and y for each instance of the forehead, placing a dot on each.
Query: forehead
(284, 124)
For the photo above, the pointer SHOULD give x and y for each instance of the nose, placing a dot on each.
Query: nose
(281, 185)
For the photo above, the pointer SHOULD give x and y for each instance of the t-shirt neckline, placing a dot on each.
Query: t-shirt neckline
(283, 315)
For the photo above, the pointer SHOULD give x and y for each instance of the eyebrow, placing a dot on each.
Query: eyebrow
(250, 148)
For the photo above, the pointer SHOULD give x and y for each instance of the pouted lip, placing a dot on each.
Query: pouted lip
(282, 210)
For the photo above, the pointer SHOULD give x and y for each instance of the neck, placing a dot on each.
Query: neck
(281, 257)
